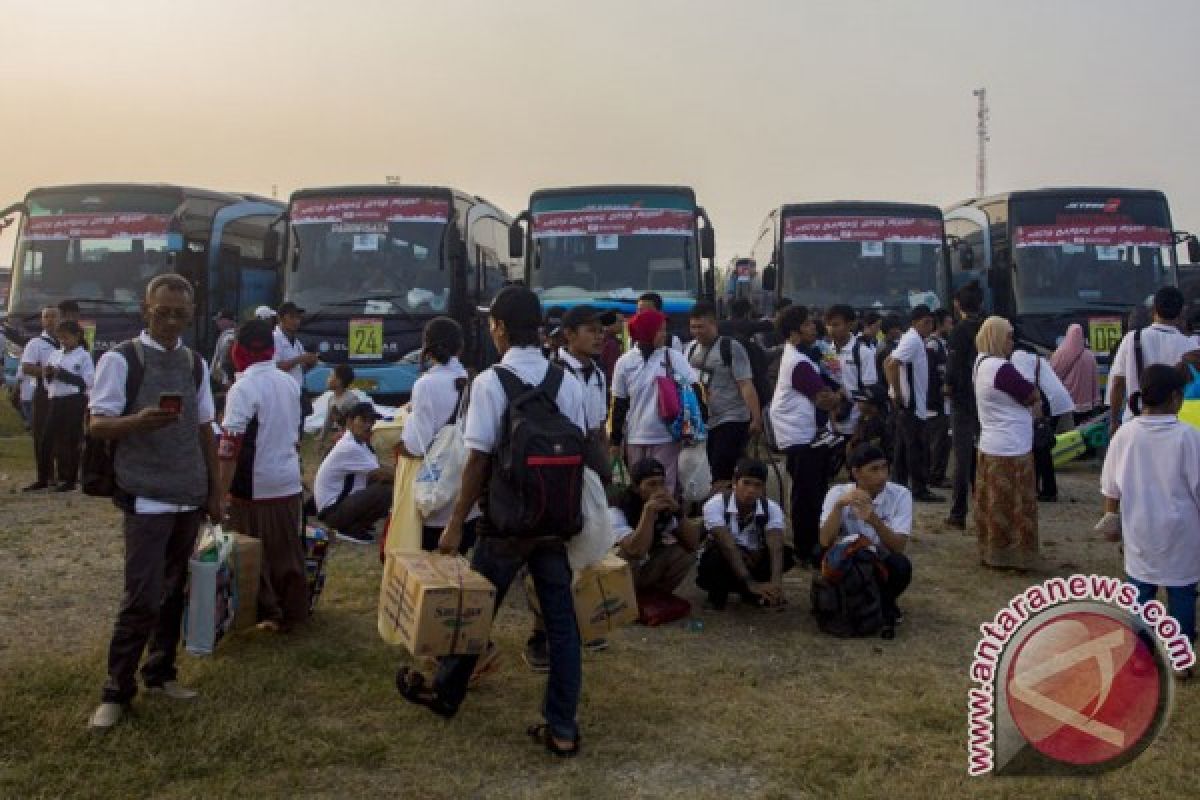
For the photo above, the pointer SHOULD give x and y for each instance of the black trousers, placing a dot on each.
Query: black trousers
(62, 439)
(1043, 465)
(899, 577)
(725, 446)
(939, 447)
(157, 548)
(964, 427)
(361, 510)
(910, 464)
(430, 537)
(715, 575)
(808, 468)
(41, 413)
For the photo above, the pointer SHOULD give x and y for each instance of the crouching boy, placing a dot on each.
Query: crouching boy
(745, 553)
(879, 510)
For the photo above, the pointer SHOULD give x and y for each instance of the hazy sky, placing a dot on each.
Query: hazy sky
(752, 103)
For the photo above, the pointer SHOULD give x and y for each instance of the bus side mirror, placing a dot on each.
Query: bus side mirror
(966, 257)
(710, 281)
(516, 240)
(768, 278)
(271, 243)
(1193, 249)
(708, 242)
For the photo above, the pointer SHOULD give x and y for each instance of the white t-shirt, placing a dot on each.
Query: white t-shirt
(717, 514)
(847, 375)
(1161, 344)
(595, 388)
(893, 505)
(269, 465)
(434, 400)
(1153, 468)
(910, 351)
(108, 400)
(1048, 381)
(793, 415)
(37, 352)
(286, 350)
(344, 471)
(634, 379)
(485, 415)
(79, 363)
(1005, 425)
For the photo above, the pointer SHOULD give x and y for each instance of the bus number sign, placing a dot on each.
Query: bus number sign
(1104, 333)
(366, 339)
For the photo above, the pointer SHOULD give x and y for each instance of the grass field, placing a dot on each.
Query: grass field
(754, 705)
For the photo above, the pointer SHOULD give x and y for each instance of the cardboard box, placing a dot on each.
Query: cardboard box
(604, 597)
(435, 605)
(247, 569)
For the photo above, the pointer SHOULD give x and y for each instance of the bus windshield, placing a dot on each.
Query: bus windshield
(863, 261)
(618, 245)
(376, 254)
(100, 247)
(1076, 254)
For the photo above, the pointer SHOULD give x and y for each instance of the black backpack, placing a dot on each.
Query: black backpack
(536, 486)
(853, 605)
(99, 475)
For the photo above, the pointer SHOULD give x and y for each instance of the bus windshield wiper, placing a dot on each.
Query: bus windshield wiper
(108, 303)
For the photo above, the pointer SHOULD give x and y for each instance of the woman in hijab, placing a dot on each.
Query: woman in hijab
(1005, 486)
(1075, 366)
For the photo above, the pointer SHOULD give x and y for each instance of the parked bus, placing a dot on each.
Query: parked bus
(606, 245)
(1051, 257)
(869, 255)
(372, 264)
(101, 244)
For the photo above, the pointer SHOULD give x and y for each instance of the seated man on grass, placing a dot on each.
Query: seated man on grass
(745, 553)
(651, 532)
(879, 510)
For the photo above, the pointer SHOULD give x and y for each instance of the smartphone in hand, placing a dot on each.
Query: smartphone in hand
(171, 401)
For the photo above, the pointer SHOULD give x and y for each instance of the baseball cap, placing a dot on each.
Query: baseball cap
(579, 316)
(290, 308)
(363, 410)
(264, 312)
(646, 468)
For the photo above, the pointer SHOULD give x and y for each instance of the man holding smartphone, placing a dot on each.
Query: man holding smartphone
(165, 467)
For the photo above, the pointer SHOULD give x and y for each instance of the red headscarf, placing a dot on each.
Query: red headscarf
(245, 356)
(645, 325)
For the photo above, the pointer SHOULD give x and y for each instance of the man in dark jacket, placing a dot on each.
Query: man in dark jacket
(964, 420)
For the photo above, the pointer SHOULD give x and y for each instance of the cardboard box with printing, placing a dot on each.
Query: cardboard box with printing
(604, 597)
(435, 605)
(247, 561)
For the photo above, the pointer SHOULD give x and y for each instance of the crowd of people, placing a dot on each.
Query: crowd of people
(942, 400)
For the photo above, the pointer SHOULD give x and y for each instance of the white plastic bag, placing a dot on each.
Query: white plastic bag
(212, 592)
(695, 476)
(440, 478)
(596, 539)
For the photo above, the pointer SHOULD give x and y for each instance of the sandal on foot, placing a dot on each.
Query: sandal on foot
(541, 733)
(413, 688)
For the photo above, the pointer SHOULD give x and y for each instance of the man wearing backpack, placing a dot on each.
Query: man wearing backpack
(745, 552)
(734, 407)
(526, 441)
(160, 409)
(881, 512)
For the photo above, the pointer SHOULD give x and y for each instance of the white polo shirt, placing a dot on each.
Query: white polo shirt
(79, 363)
(595, 388)
(847, 375)
(485, 416)
(285, 350)
(893, 505)
(1161, 344)
(344, 471)
(108, 400)
(434, 400)
(263, 405)
(37, 352)
(717, 514)
(1047, 380)
(910, 351)
(1153, 468)
(634, 379)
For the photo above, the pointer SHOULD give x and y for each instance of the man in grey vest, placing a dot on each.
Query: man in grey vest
(165, 468)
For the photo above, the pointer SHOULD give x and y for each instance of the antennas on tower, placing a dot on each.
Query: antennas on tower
(981, 130)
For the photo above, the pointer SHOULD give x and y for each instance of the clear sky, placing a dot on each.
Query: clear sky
(753, 103)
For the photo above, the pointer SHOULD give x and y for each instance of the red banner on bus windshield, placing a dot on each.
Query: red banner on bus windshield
(97, 226)
(610, 221)
(913, 230)
(369, 208)
(1100, 234)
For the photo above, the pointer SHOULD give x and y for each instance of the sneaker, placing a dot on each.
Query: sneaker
(356, 538)
(65, 487)
(36, 486)
(928, 497)
(173, 690)
(955, 522)
(596, 645)
(537, 655)
(106, 716)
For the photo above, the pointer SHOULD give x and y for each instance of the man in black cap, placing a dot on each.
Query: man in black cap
(352, 490)
(289, 350)
(745, 553)
(652, 533)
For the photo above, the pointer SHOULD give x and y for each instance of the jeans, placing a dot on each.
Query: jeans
(1181, 604)
(500, 560)
(725, 446)
(964, 428)
(808, 468)
(910, 465)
